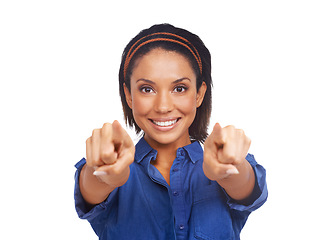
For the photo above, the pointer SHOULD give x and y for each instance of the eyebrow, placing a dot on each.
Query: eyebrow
(151, 82)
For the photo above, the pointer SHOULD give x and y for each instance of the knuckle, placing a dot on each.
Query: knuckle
(131, 157)
(240, 132)
(96, 162)
(108, 157)
(217, 171)
(89, 163)
(230, 127)
(206, 157)
(207, 141)
(95, 159)
(230, 157)
(106, 127)
(95, 132)
(116, 170)
(105, 155)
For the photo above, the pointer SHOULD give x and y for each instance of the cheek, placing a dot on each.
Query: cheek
(141, 106)
(187, 105)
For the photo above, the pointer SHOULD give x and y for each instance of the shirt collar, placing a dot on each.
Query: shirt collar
(142, 149)
(195, 151)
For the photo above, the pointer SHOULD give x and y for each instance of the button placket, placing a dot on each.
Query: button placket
(178, 203)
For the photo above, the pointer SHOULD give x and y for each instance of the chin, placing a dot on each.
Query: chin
(168, 139)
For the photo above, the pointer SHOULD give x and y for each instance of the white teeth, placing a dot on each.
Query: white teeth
(165, 124)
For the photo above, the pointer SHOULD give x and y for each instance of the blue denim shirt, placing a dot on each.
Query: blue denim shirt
(192, 207)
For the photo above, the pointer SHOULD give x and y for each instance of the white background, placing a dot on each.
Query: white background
(59, 63)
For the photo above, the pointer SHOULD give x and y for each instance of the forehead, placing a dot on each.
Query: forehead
(159, 63)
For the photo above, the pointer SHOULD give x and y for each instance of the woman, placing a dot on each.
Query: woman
(167, 187)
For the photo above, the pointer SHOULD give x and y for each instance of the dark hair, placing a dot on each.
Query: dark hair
(179, 40)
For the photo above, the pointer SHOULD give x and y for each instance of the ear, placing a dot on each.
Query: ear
(201, 94)
(128, 96)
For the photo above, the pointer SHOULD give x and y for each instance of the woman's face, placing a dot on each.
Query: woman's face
(164, 97)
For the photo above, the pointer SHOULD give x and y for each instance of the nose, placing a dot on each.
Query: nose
(163, 103)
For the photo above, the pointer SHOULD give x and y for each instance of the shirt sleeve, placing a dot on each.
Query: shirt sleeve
(259, 194)
(85, 210)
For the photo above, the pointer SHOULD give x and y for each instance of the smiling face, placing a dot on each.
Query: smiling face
(163, 97)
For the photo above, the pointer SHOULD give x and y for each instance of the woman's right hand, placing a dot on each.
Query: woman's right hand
(110, 151)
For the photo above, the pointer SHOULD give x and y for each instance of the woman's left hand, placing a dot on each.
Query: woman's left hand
(224, 151)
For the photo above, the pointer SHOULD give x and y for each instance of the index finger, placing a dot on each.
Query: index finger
(216, 138)
(120, 136)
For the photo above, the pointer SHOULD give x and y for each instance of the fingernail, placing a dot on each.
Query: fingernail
(232, 171)
(99, 173)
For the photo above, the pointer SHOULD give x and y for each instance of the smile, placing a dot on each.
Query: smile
(165, 123)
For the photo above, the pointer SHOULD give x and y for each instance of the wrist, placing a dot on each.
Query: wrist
(239, 186)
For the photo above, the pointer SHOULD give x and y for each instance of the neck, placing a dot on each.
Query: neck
(166, 153)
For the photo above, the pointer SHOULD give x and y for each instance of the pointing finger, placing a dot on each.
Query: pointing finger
(107, 148)
(216, 138)
(218, 135)
(120, 136)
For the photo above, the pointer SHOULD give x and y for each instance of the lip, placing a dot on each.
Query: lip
(164, 124)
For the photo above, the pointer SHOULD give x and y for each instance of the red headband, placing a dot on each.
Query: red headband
(131, 53)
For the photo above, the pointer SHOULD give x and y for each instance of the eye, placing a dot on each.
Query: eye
(180, 89)
(146, 89)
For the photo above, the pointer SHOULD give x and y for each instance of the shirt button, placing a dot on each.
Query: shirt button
(175, 169)
(175, 193)
(181, 226)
